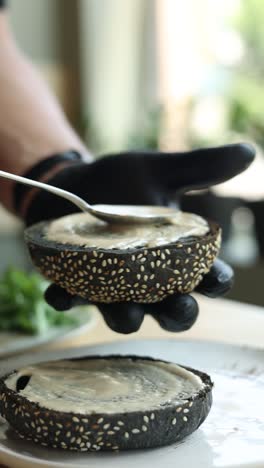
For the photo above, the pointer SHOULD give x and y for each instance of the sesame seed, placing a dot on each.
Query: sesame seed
(173, 422)
(96, 447)
(146, 418)
(68, 434)
(185, 418)
(158, 263)
(152, 264)
(144, 428)
(100, 420)
(186, 410)
(152, 416)
(138, 276)
(110, 432)
(178, 410)
(190, 404)
(75, 419)
(126, 435)
(142, 268)
(135, 431)
(116, 428)
(120, 423)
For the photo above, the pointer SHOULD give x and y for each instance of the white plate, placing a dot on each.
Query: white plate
(11, 343)
(232, 436)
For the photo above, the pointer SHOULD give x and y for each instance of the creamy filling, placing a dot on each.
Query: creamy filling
(106, 385)
(84, 230)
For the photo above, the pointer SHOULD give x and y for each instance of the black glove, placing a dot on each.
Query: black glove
(145, 178)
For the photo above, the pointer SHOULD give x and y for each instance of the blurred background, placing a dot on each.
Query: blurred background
(159, 74)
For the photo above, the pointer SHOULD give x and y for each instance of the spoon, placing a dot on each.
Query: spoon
(117, 214)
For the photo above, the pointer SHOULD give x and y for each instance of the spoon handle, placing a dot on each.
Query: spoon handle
(82, 205)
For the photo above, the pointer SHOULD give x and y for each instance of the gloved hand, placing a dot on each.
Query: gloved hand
(145, 178)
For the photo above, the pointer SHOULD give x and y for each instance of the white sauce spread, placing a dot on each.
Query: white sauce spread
(84, 230)
(106, 385)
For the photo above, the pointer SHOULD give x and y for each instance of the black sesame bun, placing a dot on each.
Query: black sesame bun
(139, 273)
(156, 414)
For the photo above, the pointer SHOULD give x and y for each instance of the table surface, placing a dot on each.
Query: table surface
(219, 320)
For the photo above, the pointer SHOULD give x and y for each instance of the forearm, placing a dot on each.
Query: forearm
(16, 157)
(32, 126)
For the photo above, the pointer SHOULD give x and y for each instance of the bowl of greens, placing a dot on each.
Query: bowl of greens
(26, 319)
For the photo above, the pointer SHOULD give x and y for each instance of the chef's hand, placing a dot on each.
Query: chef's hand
(145, 178)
